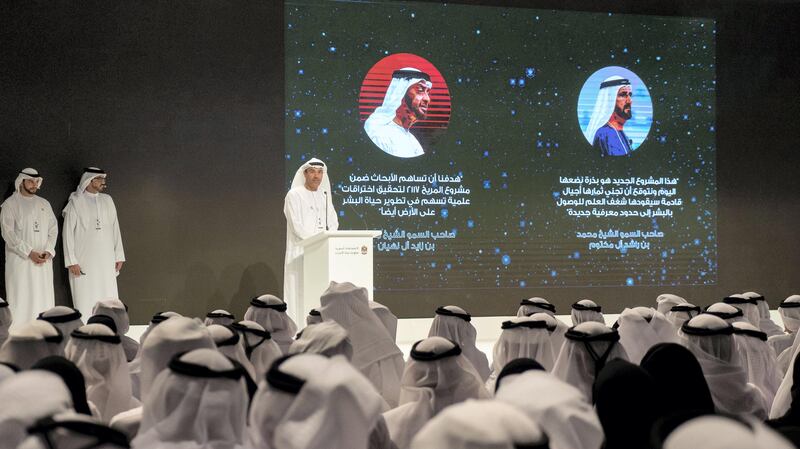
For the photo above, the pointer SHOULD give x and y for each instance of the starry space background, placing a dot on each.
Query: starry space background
(514, 77)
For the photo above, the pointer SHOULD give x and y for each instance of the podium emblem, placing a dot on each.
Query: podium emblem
(364, 250)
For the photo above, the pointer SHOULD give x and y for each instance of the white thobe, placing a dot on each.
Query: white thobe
(92, 240)
(396, 140)
(28, 224)
(305, 216)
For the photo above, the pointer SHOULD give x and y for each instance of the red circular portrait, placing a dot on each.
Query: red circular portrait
(404, 105)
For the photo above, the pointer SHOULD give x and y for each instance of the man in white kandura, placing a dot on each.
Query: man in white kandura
(405, 103)
(308, 208)
(29, 229)
(93, 251)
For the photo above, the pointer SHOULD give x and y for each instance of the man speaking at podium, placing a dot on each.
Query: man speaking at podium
(309, 210)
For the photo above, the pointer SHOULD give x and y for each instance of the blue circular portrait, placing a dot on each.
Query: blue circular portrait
(615, 111)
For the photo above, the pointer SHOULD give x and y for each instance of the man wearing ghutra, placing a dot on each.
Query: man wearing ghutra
(406, 102)
(308, 208)
(611, 110)
(29, 229)
(93, 251)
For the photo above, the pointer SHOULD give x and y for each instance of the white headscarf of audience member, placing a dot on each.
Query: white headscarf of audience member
(721, 432)
(135, 365)
(438, 364)
(588, 348)
(199, 402)
(26, 398)
(789, 310)
(375, 353)
(526, 337)
(277, 391)
(783, 398)
(258, 345)
(682, 313)
(710, 339)
(65, 319)
(30, 342)
(227, 340)
(586, 310)
(790, 314)
(528, 307)
(157, 319)
(481, 424)
(173, 336)
(5, 320)
(386, 316)
(308, 401)
(70, 430)
(98, 353)
(453, 323)
(326, 338)
(758, 359)
(559, 408)
(765, 324)
(436, 376)
(313, 317)
(727, 312)
(118, 311)
(270, 312)
(748, 306)
(641, 328)
(219, 316)
(665, 302)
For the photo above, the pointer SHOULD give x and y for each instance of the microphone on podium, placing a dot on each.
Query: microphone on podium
(325, 192)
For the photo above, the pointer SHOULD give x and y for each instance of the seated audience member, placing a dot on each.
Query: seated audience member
(682, 313)
(586, 310)
(327, 338)
(641, 328)
(199, 401)
(375, 353)
(481, 424)
(765, 319)
(258, 345)
(528, 307)
(26, 398)
(559, 408)
(689, 396)
(97, 351)
(523, 337)
(70, 430)
(453, 323)
(722, 432)
(270, 312)
(758, 359)
(219, 316)
(309, 401)
(436, 376)
(789, 310)
(628, 403)
(588, 348)
(666, 301)
(118, 311)
(710, 339)
(65, 319)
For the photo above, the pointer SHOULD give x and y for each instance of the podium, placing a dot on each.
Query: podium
(341, 256)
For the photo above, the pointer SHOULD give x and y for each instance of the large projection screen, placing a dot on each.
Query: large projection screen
(507, 153)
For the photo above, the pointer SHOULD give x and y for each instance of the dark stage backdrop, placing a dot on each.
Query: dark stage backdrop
(182, 102)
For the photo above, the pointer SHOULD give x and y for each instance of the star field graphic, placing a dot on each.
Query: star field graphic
(514, 79)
